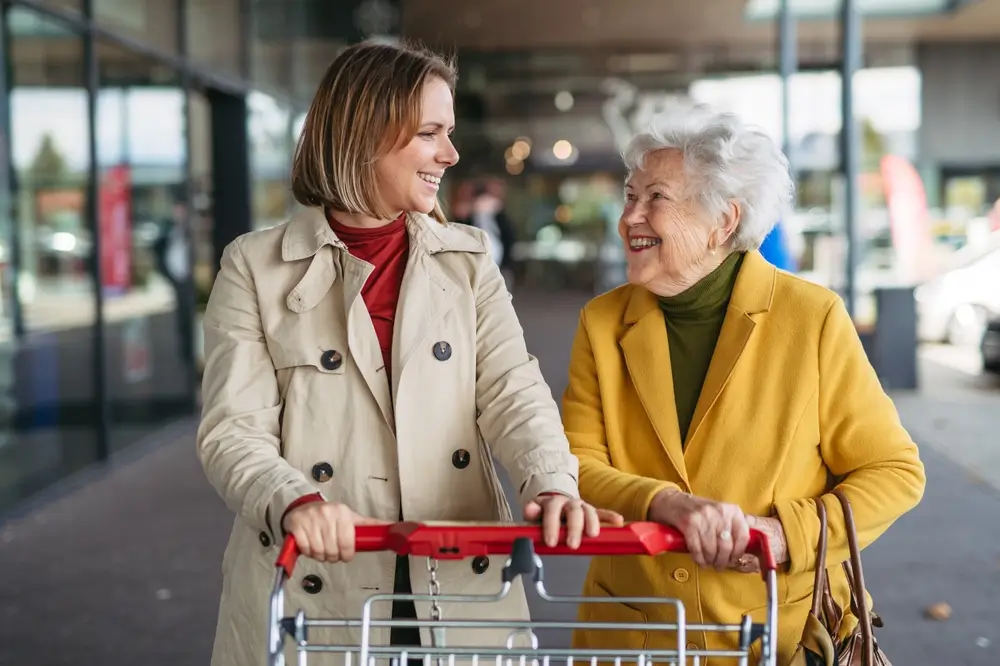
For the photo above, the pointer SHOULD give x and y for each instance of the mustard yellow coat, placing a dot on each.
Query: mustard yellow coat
(790, 408)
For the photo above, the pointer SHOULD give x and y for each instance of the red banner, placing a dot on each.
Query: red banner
(116, 230)
(908, 220)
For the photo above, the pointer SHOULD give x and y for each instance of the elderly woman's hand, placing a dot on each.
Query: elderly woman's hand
(716, 533)
(554, 509)
(776, 541)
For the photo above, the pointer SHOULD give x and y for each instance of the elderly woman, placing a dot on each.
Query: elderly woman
(715, 393)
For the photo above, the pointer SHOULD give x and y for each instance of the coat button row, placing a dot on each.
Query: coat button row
(333, 359)
(313, 584)
(264, 539)
(323, 471)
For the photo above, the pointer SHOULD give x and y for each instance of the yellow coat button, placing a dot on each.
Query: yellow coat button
(681, 575)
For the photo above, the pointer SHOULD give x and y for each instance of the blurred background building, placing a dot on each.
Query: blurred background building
(140, 136)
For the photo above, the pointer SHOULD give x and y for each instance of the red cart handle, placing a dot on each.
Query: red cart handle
(455, 541)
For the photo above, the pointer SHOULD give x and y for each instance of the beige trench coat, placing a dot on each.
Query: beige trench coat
(279, 408)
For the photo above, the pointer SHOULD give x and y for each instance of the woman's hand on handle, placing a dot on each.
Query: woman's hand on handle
(716, 534)
(324, 531)
(553, 510)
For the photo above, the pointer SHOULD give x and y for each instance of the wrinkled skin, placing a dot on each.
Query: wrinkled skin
(661, 204)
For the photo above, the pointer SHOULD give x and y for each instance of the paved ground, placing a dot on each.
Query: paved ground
(125, 569)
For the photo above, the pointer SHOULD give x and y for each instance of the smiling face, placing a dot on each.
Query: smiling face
(409, 175)
(670, 240)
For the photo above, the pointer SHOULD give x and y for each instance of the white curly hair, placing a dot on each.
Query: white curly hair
(726, 160)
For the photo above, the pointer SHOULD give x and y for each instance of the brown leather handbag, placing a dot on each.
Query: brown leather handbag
(819, 645)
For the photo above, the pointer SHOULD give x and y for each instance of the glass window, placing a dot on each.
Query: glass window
(72, 5)
(215, 35)
(154, 22)
(200, 151)
(47, 400)
(270, 129)
(145, 244)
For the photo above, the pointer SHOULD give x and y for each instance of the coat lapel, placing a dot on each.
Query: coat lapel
(647, 356)
(362, 338)
(427, 294)
(751, 297)
(309, 235)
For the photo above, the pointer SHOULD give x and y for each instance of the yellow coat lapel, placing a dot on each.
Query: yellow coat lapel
(751, 296)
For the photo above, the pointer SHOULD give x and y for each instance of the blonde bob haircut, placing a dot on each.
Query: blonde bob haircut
(368, 102)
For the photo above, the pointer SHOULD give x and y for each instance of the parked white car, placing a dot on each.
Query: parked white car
(955, 306)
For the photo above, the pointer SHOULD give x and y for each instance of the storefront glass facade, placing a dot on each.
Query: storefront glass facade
(140, 136)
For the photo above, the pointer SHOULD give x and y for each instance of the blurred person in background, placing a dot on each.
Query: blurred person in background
(171, 252)
(715, 394)
(356, 359)
(487, 213)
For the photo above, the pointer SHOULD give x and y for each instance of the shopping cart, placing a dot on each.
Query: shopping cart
(524, 545)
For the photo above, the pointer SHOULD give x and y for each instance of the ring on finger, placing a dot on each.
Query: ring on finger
(725, 535)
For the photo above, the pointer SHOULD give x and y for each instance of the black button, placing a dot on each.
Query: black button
(331, 360)
(461, 459)
(312, 584)
(442, 351)
(264, 539)
(480, 564)
(322, 472)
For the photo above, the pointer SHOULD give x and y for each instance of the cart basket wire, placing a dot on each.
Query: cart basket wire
(524, 545)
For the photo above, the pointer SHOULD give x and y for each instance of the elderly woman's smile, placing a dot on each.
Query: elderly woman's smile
(640, 243)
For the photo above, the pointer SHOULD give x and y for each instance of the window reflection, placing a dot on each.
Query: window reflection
(154, 22)
(145, 243)
(270, 131)
(48, 406)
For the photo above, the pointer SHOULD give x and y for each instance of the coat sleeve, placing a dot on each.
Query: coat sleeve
(863, 444)
(239, 438)
(601, 484)
(518, 416)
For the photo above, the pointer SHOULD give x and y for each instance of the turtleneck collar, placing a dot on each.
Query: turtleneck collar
(708, 296)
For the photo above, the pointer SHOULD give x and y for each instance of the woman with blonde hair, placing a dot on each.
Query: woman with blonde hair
(717, 394)
(363, 360)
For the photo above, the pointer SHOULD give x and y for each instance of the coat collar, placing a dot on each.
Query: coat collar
(752, 293)
(308, 231)
(647, 355)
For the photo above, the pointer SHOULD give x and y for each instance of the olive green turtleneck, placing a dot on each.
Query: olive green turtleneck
(694, 320)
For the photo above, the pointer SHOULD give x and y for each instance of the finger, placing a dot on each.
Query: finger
(723, 548)
(326, 523)
(345, 538)
(592, 521)
(552, 520)
(741, 537)
(532, 511)
(709, 538)
(747, 564)
(302, 541)
(692, 539)
(574, 523)
(609, 517)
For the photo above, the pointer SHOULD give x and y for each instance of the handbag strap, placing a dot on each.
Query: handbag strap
(856, 578)
(819, 582)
